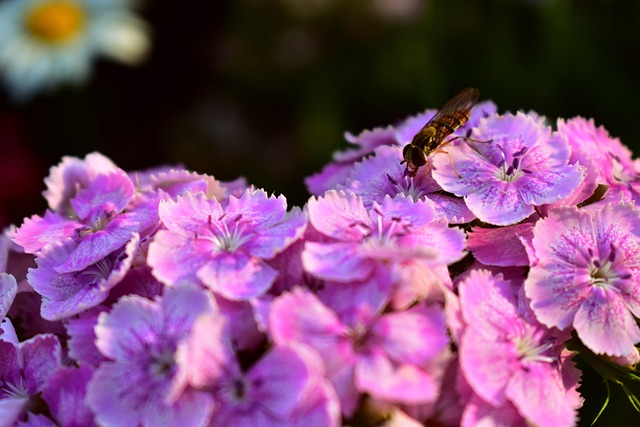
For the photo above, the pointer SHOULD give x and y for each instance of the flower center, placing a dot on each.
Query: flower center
(530, 348)
(55, 21)
(511, 171)
(228, 238)
(601, 270)
(95, 273)
(407, 187)
(162, 364)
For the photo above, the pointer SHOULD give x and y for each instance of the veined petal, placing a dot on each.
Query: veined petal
(605, 325)
(339, 215)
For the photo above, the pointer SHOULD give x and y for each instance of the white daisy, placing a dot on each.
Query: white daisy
(44, 43)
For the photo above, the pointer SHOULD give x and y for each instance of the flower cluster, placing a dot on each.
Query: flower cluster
(166, 297)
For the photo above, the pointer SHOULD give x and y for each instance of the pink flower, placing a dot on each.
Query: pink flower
(520, 166)
(392, 357)
(224, 248)
(399, 233)
(139, 384)
(507, 358)
(586, 273)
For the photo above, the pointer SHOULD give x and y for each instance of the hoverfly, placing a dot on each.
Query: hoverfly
(431, 137)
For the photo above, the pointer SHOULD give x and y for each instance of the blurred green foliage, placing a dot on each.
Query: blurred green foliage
(266, 88)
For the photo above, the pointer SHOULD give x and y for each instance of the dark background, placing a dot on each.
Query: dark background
(266, 88)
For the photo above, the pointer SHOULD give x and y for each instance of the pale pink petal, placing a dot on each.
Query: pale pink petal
(37, 232)
(175, 258)
(189, 213)
(540, 387)
(339, 216)
(414, 336)
(120, 333)
(283, 378)
(479, 413)
(338, 262)
(487, 374)
(237, 276)
(383, 379)
(605, 325)
(207, 355)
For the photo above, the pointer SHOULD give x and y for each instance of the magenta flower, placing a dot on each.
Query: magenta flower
(25, 369)
(523, 166)
(286, 387)
(225, 249)
(382, 175)
(139, 384)
(100, 223)
(506, 357)
(391, 357)
(66, 294)
(401, 234)
(585, 274)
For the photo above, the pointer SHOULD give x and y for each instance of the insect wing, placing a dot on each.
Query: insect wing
(453, 114)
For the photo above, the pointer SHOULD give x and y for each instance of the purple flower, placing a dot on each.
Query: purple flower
(65, 393)
(286, 387)
(100, 225)
(25, 369)
(225, 249)
(66, 294)
(399, 233)
(380, 175)
(506, 357)
(139, 385)
(391, 357)
(585, 274)
(520, 165)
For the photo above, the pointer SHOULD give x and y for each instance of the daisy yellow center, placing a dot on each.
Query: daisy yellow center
(55, 21)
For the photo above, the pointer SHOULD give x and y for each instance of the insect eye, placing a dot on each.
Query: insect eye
(417, 157)
(406, 152)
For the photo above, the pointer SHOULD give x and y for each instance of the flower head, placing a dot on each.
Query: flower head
(518, 165)
(45, 43)
(506, 358)
(139, 385)
(102, 222)
(390, 356)
(225, 249)
(586, 273)
(399, 233)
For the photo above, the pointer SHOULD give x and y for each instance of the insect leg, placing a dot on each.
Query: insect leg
(450, 161)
